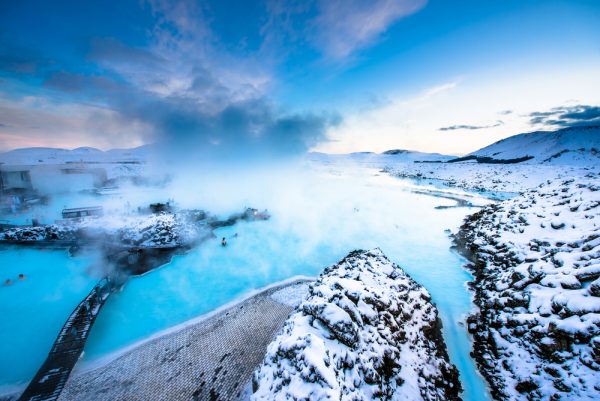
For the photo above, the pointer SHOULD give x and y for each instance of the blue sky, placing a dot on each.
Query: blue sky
(330, 75)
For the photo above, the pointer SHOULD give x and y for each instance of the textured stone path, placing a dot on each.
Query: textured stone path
(211, 360)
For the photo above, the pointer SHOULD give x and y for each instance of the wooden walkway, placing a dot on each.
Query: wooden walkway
(52, 376)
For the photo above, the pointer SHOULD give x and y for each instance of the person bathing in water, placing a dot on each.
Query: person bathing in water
(10, 282)
(224, 242)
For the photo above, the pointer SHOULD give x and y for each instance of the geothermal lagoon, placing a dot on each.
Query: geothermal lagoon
(315, 222)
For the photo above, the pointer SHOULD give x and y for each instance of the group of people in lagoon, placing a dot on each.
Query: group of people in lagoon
(9, 281)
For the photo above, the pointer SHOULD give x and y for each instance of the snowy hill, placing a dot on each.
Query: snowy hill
(576, 145)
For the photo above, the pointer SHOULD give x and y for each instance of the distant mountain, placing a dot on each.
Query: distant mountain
(26, 156)
(387, 157)
(576, 145)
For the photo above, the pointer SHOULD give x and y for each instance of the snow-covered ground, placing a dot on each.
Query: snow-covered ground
(565, 153)
(365, 331)
(511, 178)
(536, 260)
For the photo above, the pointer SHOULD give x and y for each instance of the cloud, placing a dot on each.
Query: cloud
(113, 50)
(182, 89)
(471, 127)
(90, 86)
(243, 130)
(344, 26)
(181, 122)
(567, 116)
(336, 29)
(436, 90)
(19, 60)
(180, 84)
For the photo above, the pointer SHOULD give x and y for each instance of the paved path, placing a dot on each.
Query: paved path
(211, 360)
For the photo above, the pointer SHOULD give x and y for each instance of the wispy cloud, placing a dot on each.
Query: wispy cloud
(471, 127)
(336, 29)
(345, 26)
(440, 89)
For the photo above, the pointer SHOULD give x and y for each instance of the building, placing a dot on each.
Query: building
(50, 178)
(80, 212)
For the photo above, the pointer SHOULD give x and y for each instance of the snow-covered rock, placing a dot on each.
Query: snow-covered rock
(163, 229)
(51, 232)
(536, 261)
(366, 331)
(152, 230)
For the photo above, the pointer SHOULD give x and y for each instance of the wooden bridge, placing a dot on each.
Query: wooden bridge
(52, 376)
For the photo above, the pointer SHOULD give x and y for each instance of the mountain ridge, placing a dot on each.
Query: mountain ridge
(571, 145)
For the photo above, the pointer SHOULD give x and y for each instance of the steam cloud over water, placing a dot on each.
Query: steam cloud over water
(249, 130)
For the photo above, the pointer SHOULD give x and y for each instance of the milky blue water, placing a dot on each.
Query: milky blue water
(315, 223)
(33, 310)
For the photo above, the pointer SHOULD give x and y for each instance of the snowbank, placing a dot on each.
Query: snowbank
(536, 261)
(365, 331)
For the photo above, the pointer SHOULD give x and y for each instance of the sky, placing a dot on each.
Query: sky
(280, 78)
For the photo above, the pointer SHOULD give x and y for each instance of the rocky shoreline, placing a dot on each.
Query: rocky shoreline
(365, 331)
(536, 266)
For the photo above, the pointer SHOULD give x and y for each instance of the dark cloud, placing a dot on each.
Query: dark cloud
(567, 116)
(113, 50)
(75, 83)
(19, 60)
(185, 126)
(471, 127)
(243, 130)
